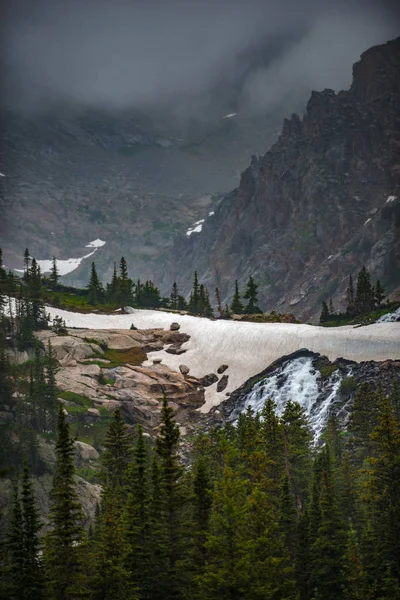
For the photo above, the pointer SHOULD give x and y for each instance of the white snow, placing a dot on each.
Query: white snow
(210, 214)
(95, 244)
(2, 175)
(64, 266)
(196, 228)
(247, 348)
(391, 199)
(367, 221)
(229, 116)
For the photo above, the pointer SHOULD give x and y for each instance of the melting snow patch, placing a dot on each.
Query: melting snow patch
(229, 116)
(95, 244)
(64, 266)
(196, 228)
(210, 214)
(2, 175)
(391, 199)
(367, 221)
(247, 348)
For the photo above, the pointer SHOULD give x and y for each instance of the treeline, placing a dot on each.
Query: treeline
(123, 291)
(361, 300)
(260, 514)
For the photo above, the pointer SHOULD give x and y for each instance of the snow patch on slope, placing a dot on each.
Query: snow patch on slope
(247, 348)
(391, 199)
(196, 228)
(95, 244)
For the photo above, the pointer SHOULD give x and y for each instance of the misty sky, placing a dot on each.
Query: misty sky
(133, 53)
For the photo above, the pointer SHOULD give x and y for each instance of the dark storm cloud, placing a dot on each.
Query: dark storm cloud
(122, 53)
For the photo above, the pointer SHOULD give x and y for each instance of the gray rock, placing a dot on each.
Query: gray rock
(222, 383)
(85, 451)
(208, 379)
(222, 369)
(174, 326)
(157, 361)
(184, 369)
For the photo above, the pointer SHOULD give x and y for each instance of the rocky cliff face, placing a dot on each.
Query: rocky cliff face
(321, 203)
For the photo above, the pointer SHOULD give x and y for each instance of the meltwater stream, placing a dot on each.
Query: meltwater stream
(300, 381)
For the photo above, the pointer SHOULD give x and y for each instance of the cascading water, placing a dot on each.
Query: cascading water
(298, 380)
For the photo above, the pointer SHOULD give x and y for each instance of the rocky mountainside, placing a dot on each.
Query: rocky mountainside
(131, 179)
(321, 203)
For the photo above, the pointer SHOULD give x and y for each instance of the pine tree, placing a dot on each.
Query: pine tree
(27, 262)
(61, 555)
(137, 519)
(364, 299)
(54, 277)
(202, 503)
(328, 549)
(15, 550)
(125, 297)
(354, 576)
(251, 295)
(288, 517)
(193, 306)
(95, 288)
(113, 287)
(350, 296)
(219, 303)
(379, 293)
(236, 304)
(173, 505)
(324, 313)
(31, 575)
(117, 454)
(51, 393)
(174, 298)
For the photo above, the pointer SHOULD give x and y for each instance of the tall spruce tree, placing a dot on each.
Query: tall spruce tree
(251, 295)
(54, 276)
(95, 288)
(125, 296)
(324, 313)
(364, 299)
(236, 304)
(174, 298)
(379, 293)
(193, 305)
(117, 454)
(31, 576)
(62, 543)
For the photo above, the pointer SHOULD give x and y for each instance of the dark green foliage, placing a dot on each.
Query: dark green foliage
(324, 313)
(236, 304)
(125, 295)
(174, 298)
(62, 543)
(251, 295)
(95, 288)
(54, 277)
(117, 454)
(379, 293)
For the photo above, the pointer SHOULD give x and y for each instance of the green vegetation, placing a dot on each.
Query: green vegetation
(325, 370)
(364, 304)
(347, 386)
(118, 358)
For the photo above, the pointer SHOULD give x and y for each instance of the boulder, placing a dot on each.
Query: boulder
(85, 451)
(208, 379)
(174, 326)
(222, 369)
(222, 383)
(175, 349)
(184, 369)
(157, 361)
(93, 412)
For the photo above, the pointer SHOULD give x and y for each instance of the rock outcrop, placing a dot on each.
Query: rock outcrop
(321, 203)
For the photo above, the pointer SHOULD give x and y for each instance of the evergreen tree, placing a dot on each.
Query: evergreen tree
(193, 306)
(15, 550)
(354, 576)
(125, 297)
(172, 506)
(364, 300)
(31, 575)
(117, 454)
(95, 288)
(236, 304)
(328, 549)
(113, 287)
(27, 262)
(137, 519)
(219, 303)
(51, 393)
(324, 313)
(350, 296)
(288, 517)
(62, 552)
(331, 308)
(174, 298)
(251, 295)
(379, 293)
(54, 277)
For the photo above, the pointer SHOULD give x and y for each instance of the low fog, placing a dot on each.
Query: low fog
(138, 53)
